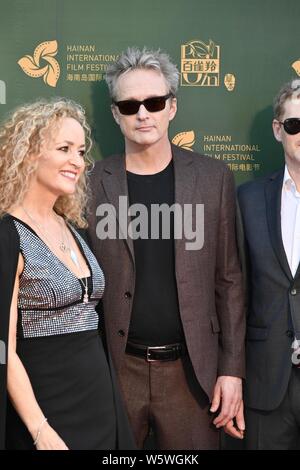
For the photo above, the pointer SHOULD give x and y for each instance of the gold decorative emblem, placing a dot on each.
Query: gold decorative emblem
(229, 81)
(31, 65)
(184, 140)
(200, 64)
(296, 67)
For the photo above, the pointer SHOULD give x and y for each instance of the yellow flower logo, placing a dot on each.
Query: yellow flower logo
(31, 65)
(296, 67)
(184, 140)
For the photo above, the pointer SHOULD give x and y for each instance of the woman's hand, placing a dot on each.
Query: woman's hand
(50, 440)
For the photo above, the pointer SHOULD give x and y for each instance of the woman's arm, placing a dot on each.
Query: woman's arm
(19, 386)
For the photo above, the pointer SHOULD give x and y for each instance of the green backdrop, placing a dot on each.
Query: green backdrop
(62, 47)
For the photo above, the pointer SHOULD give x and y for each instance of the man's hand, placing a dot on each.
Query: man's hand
(228, 395)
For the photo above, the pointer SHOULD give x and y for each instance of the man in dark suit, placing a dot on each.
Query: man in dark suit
(270, 233)
(173, 303)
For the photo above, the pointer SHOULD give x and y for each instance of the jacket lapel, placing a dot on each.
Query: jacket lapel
(115, 185)
(273, 190)
(185, 181)
(185, 177)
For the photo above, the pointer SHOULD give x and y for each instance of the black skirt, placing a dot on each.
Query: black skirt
(72, 384)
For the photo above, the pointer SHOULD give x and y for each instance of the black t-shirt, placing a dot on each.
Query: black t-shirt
(155, 318)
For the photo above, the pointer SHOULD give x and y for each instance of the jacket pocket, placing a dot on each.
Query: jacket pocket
(255, 333)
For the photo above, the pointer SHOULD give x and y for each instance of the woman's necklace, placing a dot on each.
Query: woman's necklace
(75, 260)
(65, 248)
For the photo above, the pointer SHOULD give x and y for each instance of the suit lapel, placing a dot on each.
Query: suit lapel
(297, 278)
(185, 181)
(184, 174)
(273, 190)
(115, 185)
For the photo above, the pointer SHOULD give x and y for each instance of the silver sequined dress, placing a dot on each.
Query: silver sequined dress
(60, 346)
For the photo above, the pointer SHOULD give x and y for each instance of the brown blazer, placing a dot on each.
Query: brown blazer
(209, 280)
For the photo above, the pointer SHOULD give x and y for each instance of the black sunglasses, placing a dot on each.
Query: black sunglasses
(291, 125)
(129, 107)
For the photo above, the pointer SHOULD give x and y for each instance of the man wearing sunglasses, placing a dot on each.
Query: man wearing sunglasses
(174, 317)
(270, 244)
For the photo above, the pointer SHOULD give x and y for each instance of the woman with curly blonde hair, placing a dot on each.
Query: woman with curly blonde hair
(62, 393)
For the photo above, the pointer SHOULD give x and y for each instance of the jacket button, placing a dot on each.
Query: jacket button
(127, 295)
(289, 333)
(121, 333)
(293, 291)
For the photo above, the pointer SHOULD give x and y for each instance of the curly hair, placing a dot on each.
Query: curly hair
(23, 135)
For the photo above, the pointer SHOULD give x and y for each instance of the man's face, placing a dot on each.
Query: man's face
(290, 143)
(144, 128)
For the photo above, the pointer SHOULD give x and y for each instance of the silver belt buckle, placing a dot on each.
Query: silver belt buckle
(149, 348)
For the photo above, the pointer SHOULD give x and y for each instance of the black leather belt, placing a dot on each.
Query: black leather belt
(168, 352)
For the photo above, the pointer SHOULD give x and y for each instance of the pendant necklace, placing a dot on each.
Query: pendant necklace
(65, 248)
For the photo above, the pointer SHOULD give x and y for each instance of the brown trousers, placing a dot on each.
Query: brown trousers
(158, 394)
